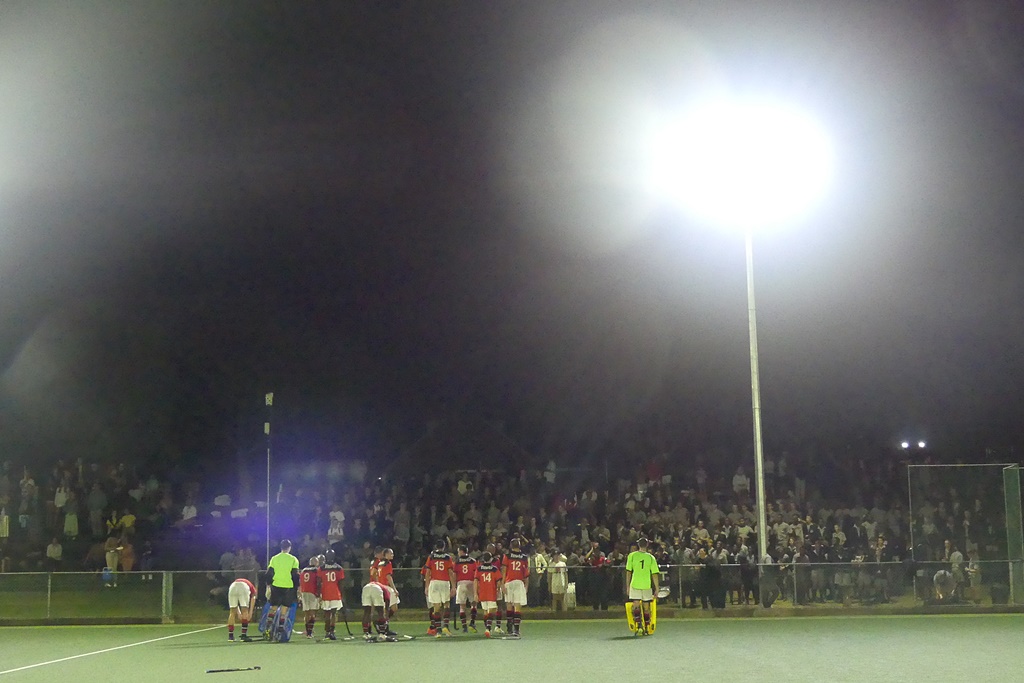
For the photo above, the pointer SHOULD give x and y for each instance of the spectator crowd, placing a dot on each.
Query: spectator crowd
(838, 528)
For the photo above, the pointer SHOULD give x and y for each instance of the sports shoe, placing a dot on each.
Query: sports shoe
(497, 631)
(244, 638)
(331, 636)
(472, 628)
(465, 629)
(437, 634)
(431, 631)
(446, 633)
(231, 639)
(368, 637)
(309, 636)
(487, 633)
(389, 639)
(512, 636)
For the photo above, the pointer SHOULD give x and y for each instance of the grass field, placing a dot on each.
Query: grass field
(920, 648)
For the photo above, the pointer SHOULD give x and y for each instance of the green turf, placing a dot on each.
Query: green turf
(925, 648)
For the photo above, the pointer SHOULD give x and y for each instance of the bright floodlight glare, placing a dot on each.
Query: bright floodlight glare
(905, 444)
(743, 165)
(920, 444)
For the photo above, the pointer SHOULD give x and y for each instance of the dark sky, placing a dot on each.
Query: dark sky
(391, 211)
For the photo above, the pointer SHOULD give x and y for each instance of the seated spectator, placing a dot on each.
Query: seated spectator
(127, 554)
(54, 555)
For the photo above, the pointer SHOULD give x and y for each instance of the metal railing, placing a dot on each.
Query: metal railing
(201, 596)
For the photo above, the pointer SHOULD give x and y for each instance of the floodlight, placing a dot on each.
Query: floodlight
(920, 444)
(905, 445)
(747, 165)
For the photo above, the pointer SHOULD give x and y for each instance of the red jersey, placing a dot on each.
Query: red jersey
(438, 565)
(384, 571)
(516, 566)
(374, 567)
(465, 569)
(308, 580)
(330, 581)
(247, 582)
(487, 576)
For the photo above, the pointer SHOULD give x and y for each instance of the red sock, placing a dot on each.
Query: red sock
(231, 630)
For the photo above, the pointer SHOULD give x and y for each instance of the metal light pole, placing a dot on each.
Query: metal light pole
(755, 401)
(269, 399)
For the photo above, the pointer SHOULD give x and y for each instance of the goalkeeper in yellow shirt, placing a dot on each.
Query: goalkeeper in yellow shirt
(642, 576)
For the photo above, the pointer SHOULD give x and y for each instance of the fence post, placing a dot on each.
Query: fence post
(167, 598)
(49, 591)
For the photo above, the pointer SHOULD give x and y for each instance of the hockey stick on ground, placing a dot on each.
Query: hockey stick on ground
(224, 671)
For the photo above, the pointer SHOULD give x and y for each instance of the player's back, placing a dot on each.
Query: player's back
(331, 576)
(308, 580)
(439, 563)
(488, 576)
(465, 569)
(517, 566)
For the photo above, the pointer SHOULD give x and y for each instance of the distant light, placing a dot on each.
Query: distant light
(920, 444)
(742, 165)
(905, 445)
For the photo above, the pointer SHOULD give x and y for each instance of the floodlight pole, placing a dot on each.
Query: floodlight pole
(755, 400)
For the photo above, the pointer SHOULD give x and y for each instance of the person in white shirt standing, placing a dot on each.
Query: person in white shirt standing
(559, 577)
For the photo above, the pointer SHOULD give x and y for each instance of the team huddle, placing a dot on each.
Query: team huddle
(497, 579)
(476, 584)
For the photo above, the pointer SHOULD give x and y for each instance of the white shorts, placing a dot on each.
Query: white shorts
(488, 606)
(395, 601)
(328, 605)
(645, 594)
(439, 592)
(373, 596)
(310, 601)
(515, 592)
(465, 592)
(238, 595)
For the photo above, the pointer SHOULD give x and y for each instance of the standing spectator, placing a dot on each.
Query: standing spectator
(538, 579)
(559, 581)
(741, 485)
(188, 513)
(96, 504)
(112, 556)
(71, 516)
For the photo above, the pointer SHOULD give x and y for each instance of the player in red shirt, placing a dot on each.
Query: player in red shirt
(385, 576)
(465, 573)
(378, 554)
(241, 601)
(309, 593)
(439, 587)
(331, 574)
(497, 556)
(515, 569)
(487, 585)
(376, 597)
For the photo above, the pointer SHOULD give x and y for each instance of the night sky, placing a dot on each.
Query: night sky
(393, 212)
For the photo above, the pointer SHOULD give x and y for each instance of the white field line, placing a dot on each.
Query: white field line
(109, 649)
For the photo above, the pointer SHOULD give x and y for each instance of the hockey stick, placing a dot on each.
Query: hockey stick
(224, 671)
(344, 614)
